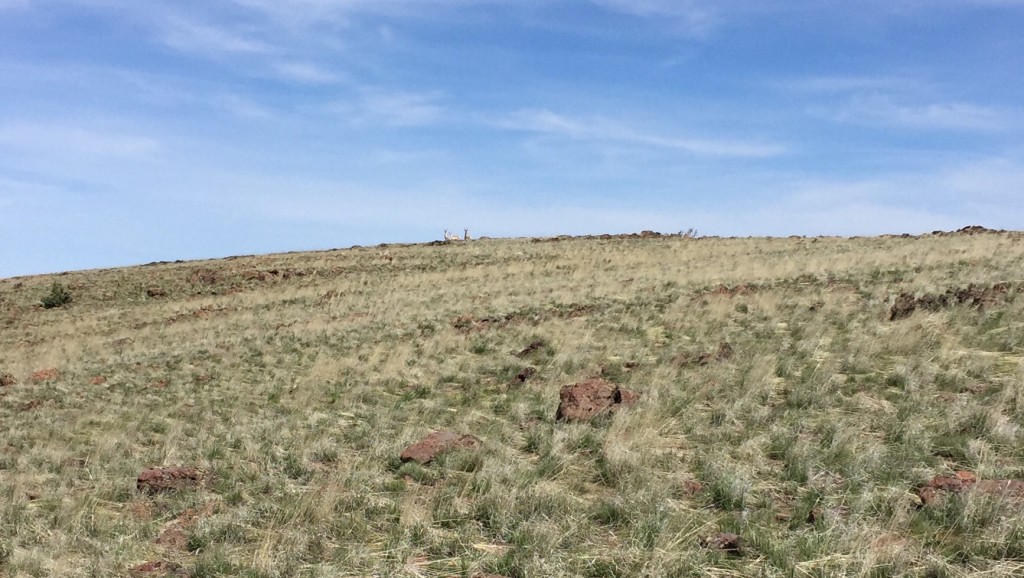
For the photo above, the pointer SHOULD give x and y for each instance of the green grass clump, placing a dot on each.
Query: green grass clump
(58, 296)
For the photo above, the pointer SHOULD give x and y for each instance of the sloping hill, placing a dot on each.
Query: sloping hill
(805, 406)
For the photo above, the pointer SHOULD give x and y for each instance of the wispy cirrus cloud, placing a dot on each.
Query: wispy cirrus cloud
(694, 16)
(846, 84)
(603, 129)
(894, 101)
(307, 72)
(391, 108)
(188, 35)
(36, 138)
(880, 109)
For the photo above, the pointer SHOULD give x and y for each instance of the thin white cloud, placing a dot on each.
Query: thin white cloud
(188, 35)
(53, 138)
(307, 73)
(847, 84)
(390, 108)
(694, 16)
(603, 129)
(884, 110)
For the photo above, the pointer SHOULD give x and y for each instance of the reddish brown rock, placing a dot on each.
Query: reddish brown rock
(724, 541)
(155, 292)
(591, 398)
(533, 346)
(7, 380)
(44, 375)
(98, 380)
(167, 479)
(525, 374)
(435, 444)
(972, 296)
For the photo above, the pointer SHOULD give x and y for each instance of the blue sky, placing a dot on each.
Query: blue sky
(159, 130)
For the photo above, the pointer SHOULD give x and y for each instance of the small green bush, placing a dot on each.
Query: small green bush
(58, 297)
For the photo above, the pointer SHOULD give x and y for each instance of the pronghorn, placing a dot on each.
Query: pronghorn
(465, 235)
(450, 236)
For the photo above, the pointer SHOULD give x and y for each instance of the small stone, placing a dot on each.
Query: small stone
(155, 292)
(525, 374)
(724, 541)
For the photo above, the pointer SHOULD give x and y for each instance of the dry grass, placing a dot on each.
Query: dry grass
(294, 381)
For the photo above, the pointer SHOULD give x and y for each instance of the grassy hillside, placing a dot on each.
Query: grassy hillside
(292, 383)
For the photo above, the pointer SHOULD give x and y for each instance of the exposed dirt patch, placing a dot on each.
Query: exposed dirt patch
(973, 296)
(723, 352)
(591, 398)
(44, 375)
(725, 291)
(98, 380)
(174, 534)
(1013, 489)
(158, 480)
(158, 568)
(203, 276)
(289, 273)
(468, 323)
(141, 509)
(435, 444)
(692, 487)
(204, 312)
(256, 275)
(327, 297)
(961, 481)
(30, 405)
(173, 538)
